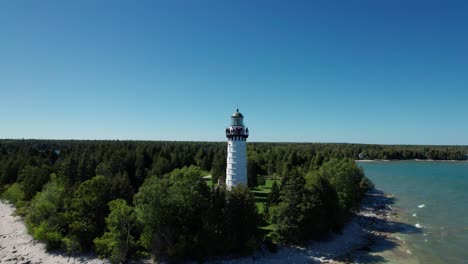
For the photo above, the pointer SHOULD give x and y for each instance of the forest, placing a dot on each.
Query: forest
(133, 199)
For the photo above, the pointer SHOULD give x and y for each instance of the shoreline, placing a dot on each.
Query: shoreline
(369, 236)
(381, 222)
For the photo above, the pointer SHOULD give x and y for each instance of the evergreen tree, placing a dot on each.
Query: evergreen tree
(10, 172)
(292, 213)
(87, 210)
(68, 170)
(32, 179)
(274, 195)
(104, 169)
(121, 187)
(253, 172)
(242, 219)
(219, 168)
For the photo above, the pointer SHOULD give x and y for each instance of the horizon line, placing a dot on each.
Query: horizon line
(207, 141)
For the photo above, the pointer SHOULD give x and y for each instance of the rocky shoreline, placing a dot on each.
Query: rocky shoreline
(380, 221)
(369, 237)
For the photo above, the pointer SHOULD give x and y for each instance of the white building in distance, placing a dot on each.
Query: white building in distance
(237, 134)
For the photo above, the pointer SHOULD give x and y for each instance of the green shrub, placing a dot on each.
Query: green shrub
(47, 234)
(47, 204)
(14, 194)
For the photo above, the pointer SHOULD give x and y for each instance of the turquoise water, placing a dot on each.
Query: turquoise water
(437, 193)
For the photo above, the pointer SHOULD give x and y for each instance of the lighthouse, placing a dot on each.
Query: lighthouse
(237, 134)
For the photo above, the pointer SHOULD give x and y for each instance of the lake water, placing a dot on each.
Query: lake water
(433, 195)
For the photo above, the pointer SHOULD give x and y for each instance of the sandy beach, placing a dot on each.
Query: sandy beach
(370, 236)
(17, 246)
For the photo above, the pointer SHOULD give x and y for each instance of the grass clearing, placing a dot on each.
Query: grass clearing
(261, 194)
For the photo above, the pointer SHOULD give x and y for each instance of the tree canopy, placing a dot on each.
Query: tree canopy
(125, 199)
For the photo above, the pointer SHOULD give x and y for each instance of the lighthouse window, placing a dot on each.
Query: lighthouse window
(237, 122)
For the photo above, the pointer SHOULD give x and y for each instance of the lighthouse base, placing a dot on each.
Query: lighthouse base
(236, 169)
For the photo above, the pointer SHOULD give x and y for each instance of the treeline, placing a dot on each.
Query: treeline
(81, 160)
(128, 199)
(362, 151)
(277, 158)
(406, 152)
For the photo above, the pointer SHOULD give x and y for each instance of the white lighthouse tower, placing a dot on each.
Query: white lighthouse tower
(237, 134)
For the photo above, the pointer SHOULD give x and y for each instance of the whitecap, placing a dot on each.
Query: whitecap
(418, 225)
(414, 215)
(421, 205)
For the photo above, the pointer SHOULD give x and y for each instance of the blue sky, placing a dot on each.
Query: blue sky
(390, 72)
